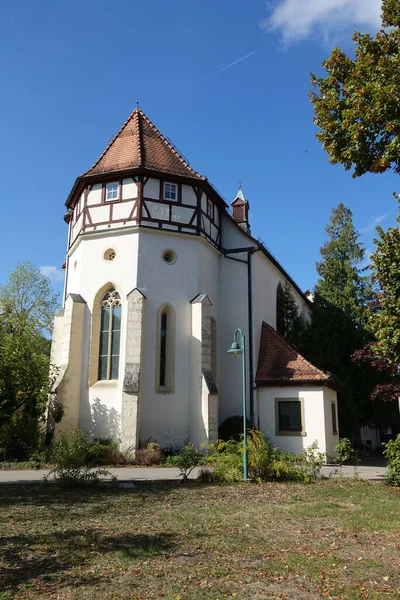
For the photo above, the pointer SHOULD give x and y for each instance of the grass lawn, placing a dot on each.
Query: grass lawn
(333, 539)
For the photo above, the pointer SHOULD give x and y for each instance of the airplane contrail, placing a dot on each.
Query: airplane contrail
(230, 65)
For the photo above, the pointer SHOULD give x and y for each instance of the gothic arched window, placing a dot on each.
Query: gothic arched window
(110, 335)
(165, 363)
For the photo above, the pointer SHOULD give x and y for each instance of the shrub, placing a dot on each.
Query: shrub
(19, 437)
(105, 451)
(148, 454)
(226, 461)
(312, 460)
(74, 464)
(345, 452)
(232, 429)
(188, 459)
(392, 453)
(265, 463)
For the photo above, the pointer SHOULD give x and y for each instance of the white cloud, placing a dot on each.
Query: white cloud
(53, 273)
(374, 223)
(297, 20)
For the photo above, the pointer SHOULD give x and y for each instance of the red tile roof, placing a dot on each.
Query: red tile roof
(279, 362)
(139, 144)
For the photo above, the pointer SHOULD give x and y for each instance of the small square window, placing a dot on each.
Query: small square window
(112, 190)
(170, 191)
(210, 209)
(289, 418)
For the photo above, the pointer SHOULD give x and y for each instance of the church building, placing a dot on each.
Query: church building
(159, 274)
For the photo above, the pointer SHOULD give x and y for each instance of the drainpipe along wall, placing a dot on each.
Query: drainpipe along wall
(249, 251)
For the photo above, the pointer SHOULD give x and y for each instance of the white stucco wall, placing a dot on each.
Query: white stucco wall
(94, 195)
(188, 195)
(317, 417)
(129, 189)
(165, 417)
(100, 405)
(151, 189)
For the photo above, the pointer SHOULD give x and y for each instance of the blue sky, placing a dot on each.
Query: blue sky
(72, 72)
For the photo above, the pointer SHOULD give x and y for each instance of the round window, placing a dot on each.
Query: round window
(109, 254)
(169, 256)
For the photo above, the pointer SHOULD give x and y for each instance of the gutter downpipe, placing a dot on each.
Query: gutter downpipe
(249, 251)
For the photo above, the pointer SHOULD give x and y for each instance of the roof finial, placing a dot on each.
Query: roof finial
(240, 185)
(137, 103)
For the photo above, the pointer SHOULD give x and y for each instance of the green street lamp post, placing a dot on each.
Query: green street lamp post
(239, 348)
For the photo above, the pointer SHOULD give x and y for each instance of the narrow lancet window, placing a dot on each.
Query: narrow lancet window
(110, 335)
(165, 352)
(163, 348)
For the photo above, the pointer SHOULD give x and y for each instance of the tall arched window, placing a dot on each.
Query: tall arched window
(165, 360)
(110, 335)
(163, 347)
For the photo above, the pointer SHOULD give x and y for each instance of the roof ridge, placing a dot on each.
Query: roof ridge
(292, 349)
(169, 144)
(139, 136)
(113, 139)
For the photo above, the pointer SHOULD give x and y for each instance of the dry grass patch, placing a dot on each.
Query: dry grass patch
(336, 540)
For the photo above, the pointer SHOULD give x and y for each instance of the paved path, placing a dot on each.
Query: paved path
(132, 474)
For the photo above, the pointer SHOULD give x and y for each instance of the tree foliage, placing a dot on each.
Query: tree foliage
(337, 328)
(342, 280)
(384, 317)
(26, 306)
(289, 321)
(357, 103)
(383, 353)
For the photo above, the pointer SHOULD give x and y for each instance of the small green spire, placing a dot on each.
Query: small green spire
(240, 194)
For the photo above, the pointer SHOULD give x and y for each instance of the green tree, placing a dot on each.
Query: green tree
(357, 103)
(383, 353)
(384, 314)
(27, 304)
(289, 322)
(338, 320)
(342, 281)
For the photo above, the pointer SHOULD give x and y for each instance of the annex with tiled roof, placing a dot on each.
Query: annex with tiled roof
(280, 363)
(139, 144)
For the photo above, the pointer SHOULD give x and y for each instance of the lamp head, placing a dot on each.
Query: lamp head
(235, 349)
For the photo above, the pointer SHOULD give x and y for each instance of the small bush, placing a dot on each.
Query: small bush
(346, 453)
(105, 451)
(19, 438)
(149, 454)
(226, 461)
(73, 460)
(188, 459)
(265, 463)
(392, 453)
(312, 460)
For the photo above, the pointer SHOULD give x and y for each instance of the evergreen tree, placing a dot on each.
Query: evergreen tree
(338, 317)
(342, 281)
(289, 322)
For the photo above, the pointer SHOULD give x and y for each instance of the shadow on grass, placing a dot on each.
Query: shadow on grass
(48, 494)
(24, 558)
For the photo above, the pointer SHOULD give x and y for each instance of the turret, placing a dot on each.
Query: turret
(240, 210)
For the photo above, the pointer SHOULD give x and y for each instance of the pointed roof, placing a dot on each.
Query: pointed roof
(139, 144)
(239, 196)
(279, 362)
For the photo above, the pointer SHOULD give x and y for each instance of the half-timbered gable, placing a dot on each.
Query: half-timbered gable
(142, 180)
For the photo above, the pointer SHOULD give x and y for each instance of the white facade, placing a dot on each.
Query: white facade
(187, 261)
